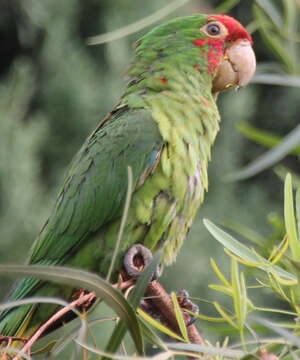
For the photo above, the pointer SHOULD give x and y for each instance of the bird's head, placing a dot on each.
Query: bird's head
(229, 53)
(216, 45)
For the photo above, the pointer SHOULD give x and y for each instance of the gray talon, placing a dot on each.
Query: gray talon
(136, 259)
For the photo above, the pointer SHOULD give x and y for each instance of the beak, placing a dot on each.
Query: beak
(237, 66)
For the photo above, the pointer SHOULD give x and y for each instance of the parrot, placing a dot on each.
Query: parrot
(163, 129)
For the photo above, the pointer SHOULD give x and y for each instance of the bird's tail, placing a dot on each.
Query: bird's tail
(14, 322)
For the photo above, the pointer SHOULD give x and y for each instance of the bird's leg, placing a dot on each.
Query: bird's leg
(186, 303)
(136, 259)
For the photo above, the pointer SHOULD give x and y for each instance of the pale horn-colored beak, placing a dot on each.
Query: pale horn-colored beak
(237, 66)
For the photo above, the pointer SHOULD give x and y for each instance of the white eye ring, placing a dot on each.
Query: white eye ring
(213, 29)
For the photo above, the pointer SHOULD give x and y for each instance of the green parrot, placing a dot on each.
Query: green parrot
(163, 128)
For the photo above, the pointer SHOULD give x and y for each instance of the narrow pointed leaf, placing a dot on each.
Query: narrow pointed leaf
(289, 219)
(139, 290)
(272, 38)
(205, 349)
(205, 317)
(270, 9)
(157, 325)
(179, 317)
(227, 317)
(298, 210)
(262, 137)
(289, 336)
(245, 253)
(269, 158)
(236, 292)
(219, 273)
(226, 6)
(277, 79)
(222, 289)
(152, 337)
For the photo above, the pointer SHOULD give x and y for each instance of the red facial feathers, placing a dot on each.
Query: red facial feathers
(215, 52)
(235, 29)
(216, 46)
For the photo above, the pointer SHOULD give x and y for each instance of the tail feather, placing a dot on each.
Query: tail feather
(15, 322)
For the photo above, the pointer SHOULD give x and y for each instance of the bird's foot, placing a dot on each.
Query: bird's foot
(186, 303)
(136, 259)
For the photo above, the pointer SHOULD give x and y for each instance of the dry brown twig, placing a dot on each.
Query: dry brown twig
(62, 312)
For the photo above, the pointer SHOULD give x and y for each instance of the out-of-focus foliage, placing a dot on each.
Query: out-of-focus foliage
(54, 89)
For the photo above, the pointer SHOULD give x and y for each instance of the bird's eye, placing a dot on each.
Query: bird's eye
(213, 29)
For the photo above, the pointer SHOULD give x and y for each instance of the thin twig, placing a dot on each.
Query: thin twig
(123, 222)
(81, 300)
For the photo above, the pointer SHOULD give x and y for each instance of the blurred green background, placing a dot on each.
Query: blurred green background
(54, 89)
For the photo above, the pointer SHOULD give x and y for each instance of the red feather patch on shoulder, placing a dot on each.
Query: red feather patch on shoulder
(235, 29)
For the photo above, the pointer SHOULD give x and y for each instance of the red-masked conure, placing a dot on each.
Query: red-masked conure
(163, 127)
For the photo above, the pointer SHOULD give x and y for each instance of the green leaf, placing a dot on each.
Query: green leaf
(35, 300)
(219, 273)
(276, 79)
(298, 210)
(224, 314)
(262, 137)
(289, 336)
(205, 349)
(269, 158)
(143, 281)
(246, 232)
(205, 317)
(179, 317)
(282, 171)
(45, 349)
(239, 295)
(292, 355)
(83, 279)
(152, 337)
(135, 298)
(64, 341)
(243, 252)
(14, 350)
(272, 39)
(157, 325)
(289, 219)
(290, 27)
(222, 289)
(226, 6)
(271, 11)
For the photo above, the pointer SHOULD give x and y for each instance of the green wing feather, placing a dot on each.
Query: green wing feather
(93, 193)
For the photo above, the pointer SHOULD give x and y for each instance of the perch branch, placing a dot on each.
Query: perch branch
(163, 305)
